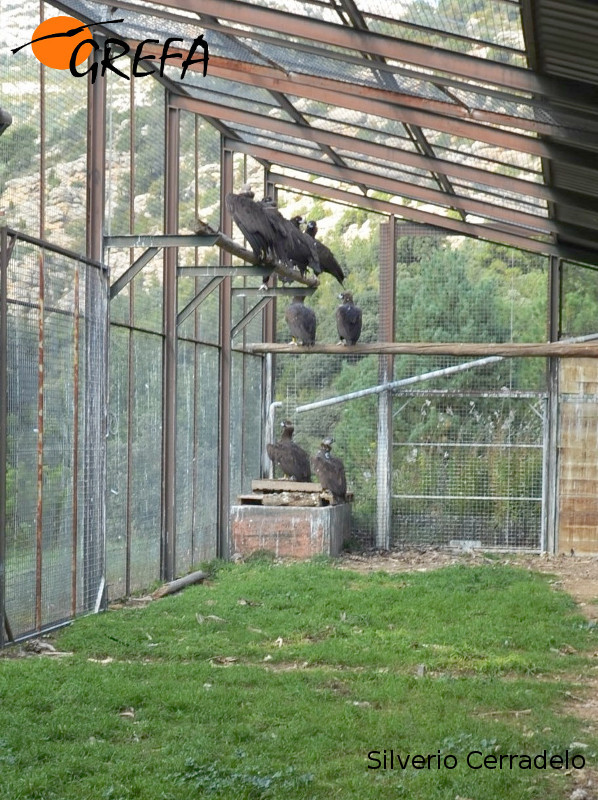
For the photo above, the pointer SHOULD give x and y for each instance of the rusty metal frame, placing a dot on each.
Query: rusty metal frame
(169, 366)
(365, 147)
(496, 233)
(377, 182)
(4, 256)
(226, 185)
(96, 341)
(386, 316)
(343, 36)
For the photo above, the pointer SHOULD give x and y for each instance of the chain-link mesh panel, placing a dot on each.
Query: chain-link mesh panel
(246, 417)
(579, 296)
(65, 151)
(20, 144)
(54, 534)
(146, 453)
(22, 445)
(117, 528)
(467, 470)
(206, 475)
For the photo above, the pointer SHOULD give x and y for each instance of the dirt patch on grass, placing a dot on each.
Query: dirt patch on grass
(576, 575)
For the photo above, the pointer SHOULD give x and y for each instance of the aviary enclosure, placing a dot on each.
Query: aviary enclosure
(141, 366)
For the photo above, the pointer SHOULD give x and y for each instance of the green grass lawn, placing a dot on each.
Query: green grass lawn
(276, 681)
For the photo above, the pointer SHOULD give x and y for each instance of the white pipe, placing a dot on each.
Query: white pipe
(383, 387)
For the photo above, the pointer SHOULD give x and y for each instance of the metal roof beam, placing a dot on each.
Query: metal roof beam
(498, 235)
(337, 93)
(402, 188)
(367, 148)
(315, 87)
(476, 69)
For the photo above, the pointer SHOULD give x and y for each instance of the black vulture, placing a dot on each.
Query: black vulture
(292, 459)
(330, 471)
(254, 222)
(297, 247)
(348, 319)
(328, 262)
(301, 321)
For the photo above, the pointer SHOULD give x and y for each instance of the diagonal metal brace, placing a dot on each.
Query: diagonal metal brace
(198, 299)
(137, 265)
(253, 312)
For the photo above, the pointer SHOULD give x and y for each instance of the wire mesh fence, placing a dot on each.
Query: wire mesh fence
(53, 554)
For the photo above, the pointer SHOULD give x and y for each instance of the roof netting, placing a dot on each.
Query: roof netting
(448, 91)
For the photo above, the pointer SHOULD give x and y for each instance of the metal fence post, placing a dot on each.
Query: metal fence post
(226, 185)
(96, 360)
(550, 522)
(3, 420)
(169, 371)
(386, 333)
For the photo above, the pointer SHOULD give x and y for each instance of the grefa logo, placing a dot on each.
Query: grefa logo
(66, 42)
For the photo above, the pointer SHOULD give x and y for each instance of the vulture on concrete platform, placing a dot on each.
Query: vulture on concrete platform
(328, 262)
(301, 321)
(330, 471)
(348, 319)
(292, 459)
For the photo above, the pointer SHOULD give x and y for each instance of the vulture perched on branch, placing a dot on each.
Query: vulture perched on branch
(330, 471)
(301, 321)
(269, 234)
(292, 459)
(254, 222)
(348, 319)
(328, 262)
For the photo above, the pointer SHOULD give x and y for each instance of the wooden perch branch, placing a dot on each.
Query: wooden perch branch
(226, 243)
(470, 349)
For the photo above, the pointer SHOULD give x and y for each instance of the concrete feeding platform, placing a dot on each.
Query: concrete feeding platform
(289, 519)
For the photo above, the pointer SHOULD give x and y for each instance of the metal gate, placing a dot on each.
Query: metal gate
(468, 469)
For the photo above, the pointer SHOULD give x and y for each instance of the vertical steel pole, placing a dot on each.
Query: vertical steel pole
(169, 372)
(226, 185)
(196, 354)
(550, 492)
(130, 352)
(3, 420)
(96, 361)
(39, 531)
(269, 361)
(386, 333)
(75, 483)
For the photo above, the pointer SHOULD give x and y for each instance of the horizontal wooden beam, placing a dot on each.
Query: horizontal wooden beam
(458, 349)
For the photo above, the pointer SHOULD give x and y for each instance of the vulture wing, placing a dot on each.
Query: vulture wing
(331, 474)
(302, 323)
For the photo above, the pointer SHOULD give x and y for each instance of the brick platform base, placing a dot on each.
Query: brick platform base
(295, 532)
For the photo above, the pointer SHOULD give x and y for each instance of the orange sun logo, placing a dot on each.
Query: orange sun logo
(55, 39)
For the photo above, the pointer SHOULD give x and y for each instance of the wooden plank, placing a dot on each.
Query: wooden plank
(265, 485)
